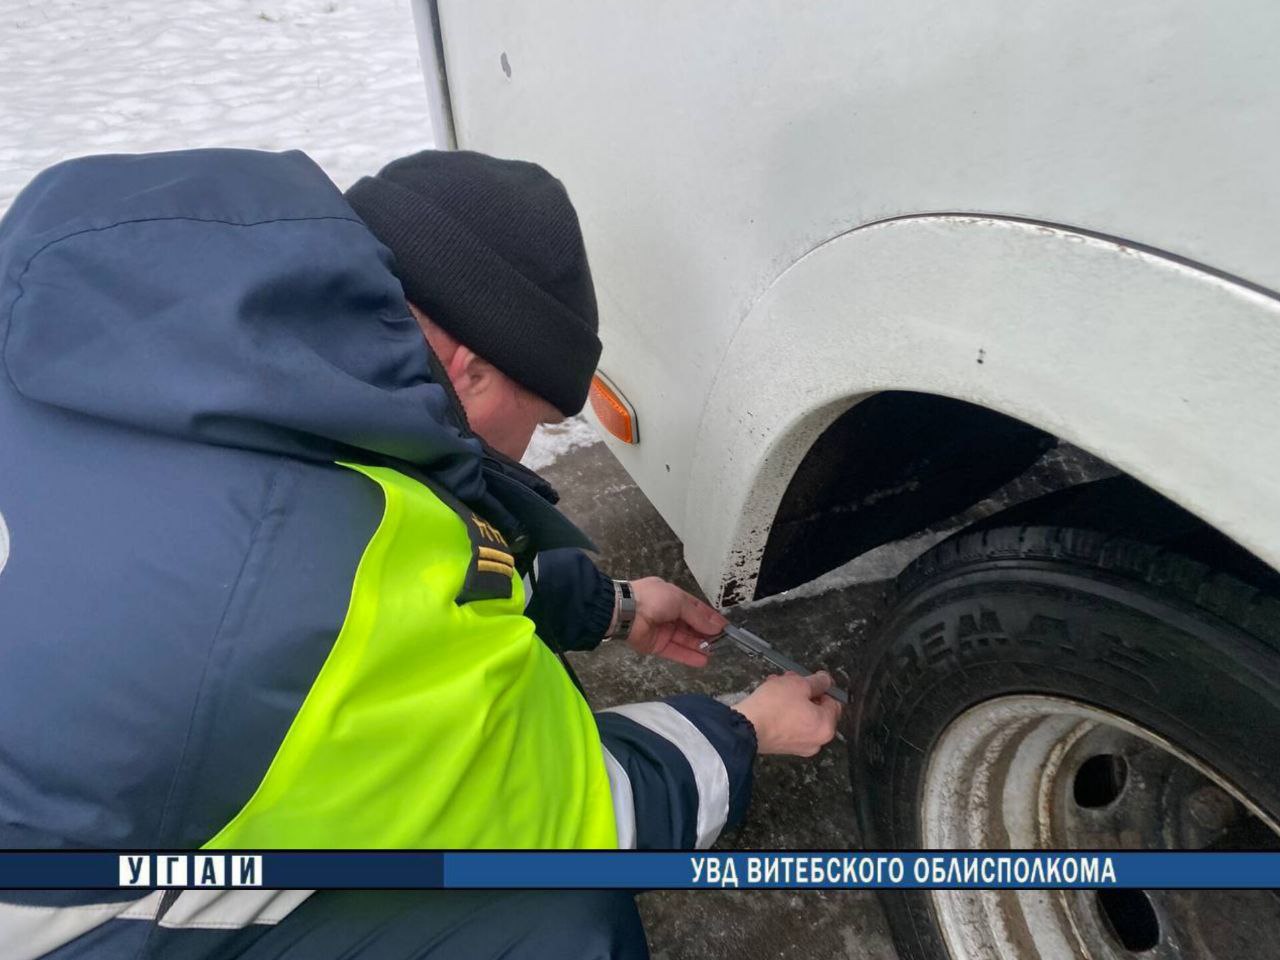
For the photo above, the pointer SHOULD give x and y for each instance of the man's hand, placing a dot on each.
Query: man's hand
(791, 715)
(670, 623)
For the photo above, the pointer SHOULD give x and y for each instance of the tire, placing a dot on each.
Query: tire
(1101, 636)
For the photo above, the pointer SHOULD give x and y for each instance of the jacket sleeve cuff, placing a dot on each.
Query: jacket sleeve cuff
(598, 613)
(569, 600)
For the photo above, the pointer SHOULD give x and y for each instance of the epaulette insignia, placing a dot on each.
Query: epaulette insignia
(492, 564)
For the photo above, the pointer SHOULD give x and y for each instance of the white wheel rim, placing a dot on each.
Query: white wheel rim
(999, 778)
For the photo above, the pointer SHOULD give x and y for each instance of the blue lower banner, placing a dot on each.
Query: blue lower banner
(535, 870)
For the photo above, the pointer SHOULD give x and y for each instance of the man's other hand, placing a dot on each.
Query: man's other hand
(670, 623)
(791, 714)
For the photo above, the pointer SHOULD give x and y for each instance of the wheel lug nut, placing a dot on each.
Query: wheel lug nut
(1211, 808)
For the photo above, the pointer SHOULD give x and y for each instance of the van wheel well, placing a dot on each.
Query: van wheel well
(902, 463)
(889, 466)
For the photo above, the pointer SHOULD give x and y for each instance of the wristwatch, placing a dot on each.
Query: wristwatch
(624, 610)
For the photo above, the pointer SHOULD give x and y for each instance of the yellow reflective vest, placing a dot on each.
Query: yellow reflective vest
(439, 719)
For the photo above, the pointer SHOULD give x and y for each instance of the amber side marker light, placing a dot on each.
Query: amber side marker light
(613, 411)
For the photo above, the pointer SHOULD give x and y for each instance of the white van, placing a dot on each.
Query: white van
(859, 264)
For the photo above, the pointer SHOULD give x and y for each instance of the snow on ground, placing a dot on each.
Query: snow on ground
(553, 441)
(339, 79)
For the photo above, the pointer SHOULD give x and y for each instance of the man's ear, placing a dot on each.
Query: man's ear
(472, 376)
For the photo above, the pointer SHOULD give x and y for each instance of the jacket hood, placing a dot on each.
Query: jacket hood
(232, 297)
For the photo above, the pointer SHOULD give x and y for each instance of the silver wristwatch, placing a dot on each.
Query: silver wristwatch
(624, 610)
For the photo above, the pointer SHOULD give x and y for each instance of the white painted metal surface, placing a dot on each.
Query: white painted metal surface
(426, 23)
(733, 164)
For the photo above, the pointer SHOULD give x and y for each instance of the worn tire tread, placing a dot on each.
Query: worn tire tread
(1242, 605)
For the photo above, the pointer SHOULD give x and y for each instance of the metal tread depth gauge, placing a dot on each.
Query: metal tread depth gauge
(759, 647)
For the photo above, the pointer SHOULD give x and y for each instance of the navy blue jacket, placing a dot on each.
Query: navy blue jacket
(188, 341)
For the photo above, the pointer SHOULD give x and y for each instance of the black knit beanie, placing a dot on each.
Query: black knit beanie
(491, 250)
